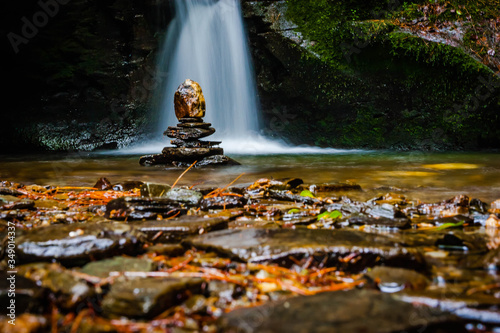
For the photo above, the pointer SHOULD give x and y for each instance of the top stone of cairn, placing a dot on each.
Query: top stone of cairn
(189, 101)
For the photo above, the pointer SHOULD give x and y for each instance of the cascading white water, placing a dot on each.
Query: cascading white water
(206, 42)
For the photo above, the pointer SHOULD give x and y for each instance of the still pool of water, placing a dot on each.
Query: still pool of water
(426, 176)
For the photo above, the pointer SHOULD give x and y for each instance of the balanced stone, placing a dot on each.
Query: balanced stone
(188, 133)
(189, 108)
(189, 100)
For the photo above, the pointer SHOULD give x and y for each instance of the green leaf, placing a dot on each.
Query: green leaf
(330, 215)
(450, 225)
(294, 210)
(306, 193)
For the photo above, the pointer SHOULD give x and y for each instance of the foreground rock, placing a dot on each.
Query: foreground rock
(146, 297)
(77, 244)
(342, 311)
(347, 249)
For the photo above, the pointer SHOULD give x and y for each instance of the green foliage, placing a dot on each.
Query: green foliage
(330, 215)
(306, 193)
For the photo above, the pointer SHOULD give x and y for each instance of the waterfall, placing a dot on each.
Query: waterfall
(206, 42)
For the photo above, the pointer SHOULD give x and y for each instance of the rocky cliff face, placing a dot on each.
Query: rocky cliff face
(80, 73)
(81, 76)
(368, 82)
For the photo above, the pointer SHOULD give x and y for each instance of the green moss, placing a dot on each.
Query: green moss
(385, 87)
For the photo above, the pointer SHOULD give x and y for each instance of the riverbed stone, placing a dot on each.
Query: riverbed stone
(483, 308)
(223, 202)
(190, 154)
(28, 294)
(175, 230)
(139, 208)
(76, 244)
(146, 297)
(189, 101)
(184, 196)
(102, 268)
(67, 289)
(194, 124)
(392, 279)
(381, 223)
(328, 247)
(194, 143)
(355, 310)
(188, 133)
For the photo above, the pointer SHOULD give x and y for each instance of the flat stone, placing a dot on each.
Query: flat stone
(190, 154)
(184, 196)
(154, 159)
(381, 223)
(385, 210)
(102, 268)
(139, 208)
(337, 187)
(77, 244)
(146, 297)
(189, 100)
(328, 247)
(28, 293)
(152, 190)
(194, 143)
(197, 125)
(188, 133)
(391, 279)
(191, 120)
(364, 311)
(68, 290)
(223, 202)
(482, 308)
(215, 160)
(175, 230)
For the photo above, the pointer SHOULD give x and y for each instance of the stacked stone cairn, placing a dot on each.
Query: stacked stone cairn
(189, 104)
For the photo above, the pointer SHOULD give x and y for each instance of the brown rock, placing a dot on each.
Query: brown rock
(188, 133)
(189, 100)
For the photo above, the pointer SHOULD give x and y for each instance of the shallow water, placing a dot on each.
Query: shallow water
(426, 176)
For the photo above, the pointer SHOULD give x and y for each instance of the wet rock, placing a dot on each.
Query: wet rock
(346, 249)
(189, 101)
(151, 190)
(9, 202)
(190, 154)
(492, 221)
(134, 208)
(495, 207)
(275, 184)
(76, 244)
(155, 159)
(337, 187)
(287, 196)
(184, 133)
(439, 221)
(460, 241)
(479, 206)
(102, 268)
(194, 143)
(223, 202)
(475, 307)
(127, 185)
(68, 290)
(25, 323)
(386, 210)
(381, 223)
(146, 297)
(391, 280)
(103, 184)
(27, 293)
(194, 124)
(216, 160)
(341, 311)
(10, 191)
(175, 230)
(170, 250)
(459, 200)
(184, 196)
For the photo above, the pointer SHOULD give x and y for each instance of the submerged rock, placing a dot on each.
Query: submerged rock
(189, 100)
(67, 289)
(102, 268)
(134, 208)
(346, 249)
(175, 230)
(76, 244)
(341, 311)
(146, 297)
(391, 280)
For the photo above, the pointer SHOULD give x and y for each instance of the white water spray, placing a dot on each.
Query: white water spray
(206, 42)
